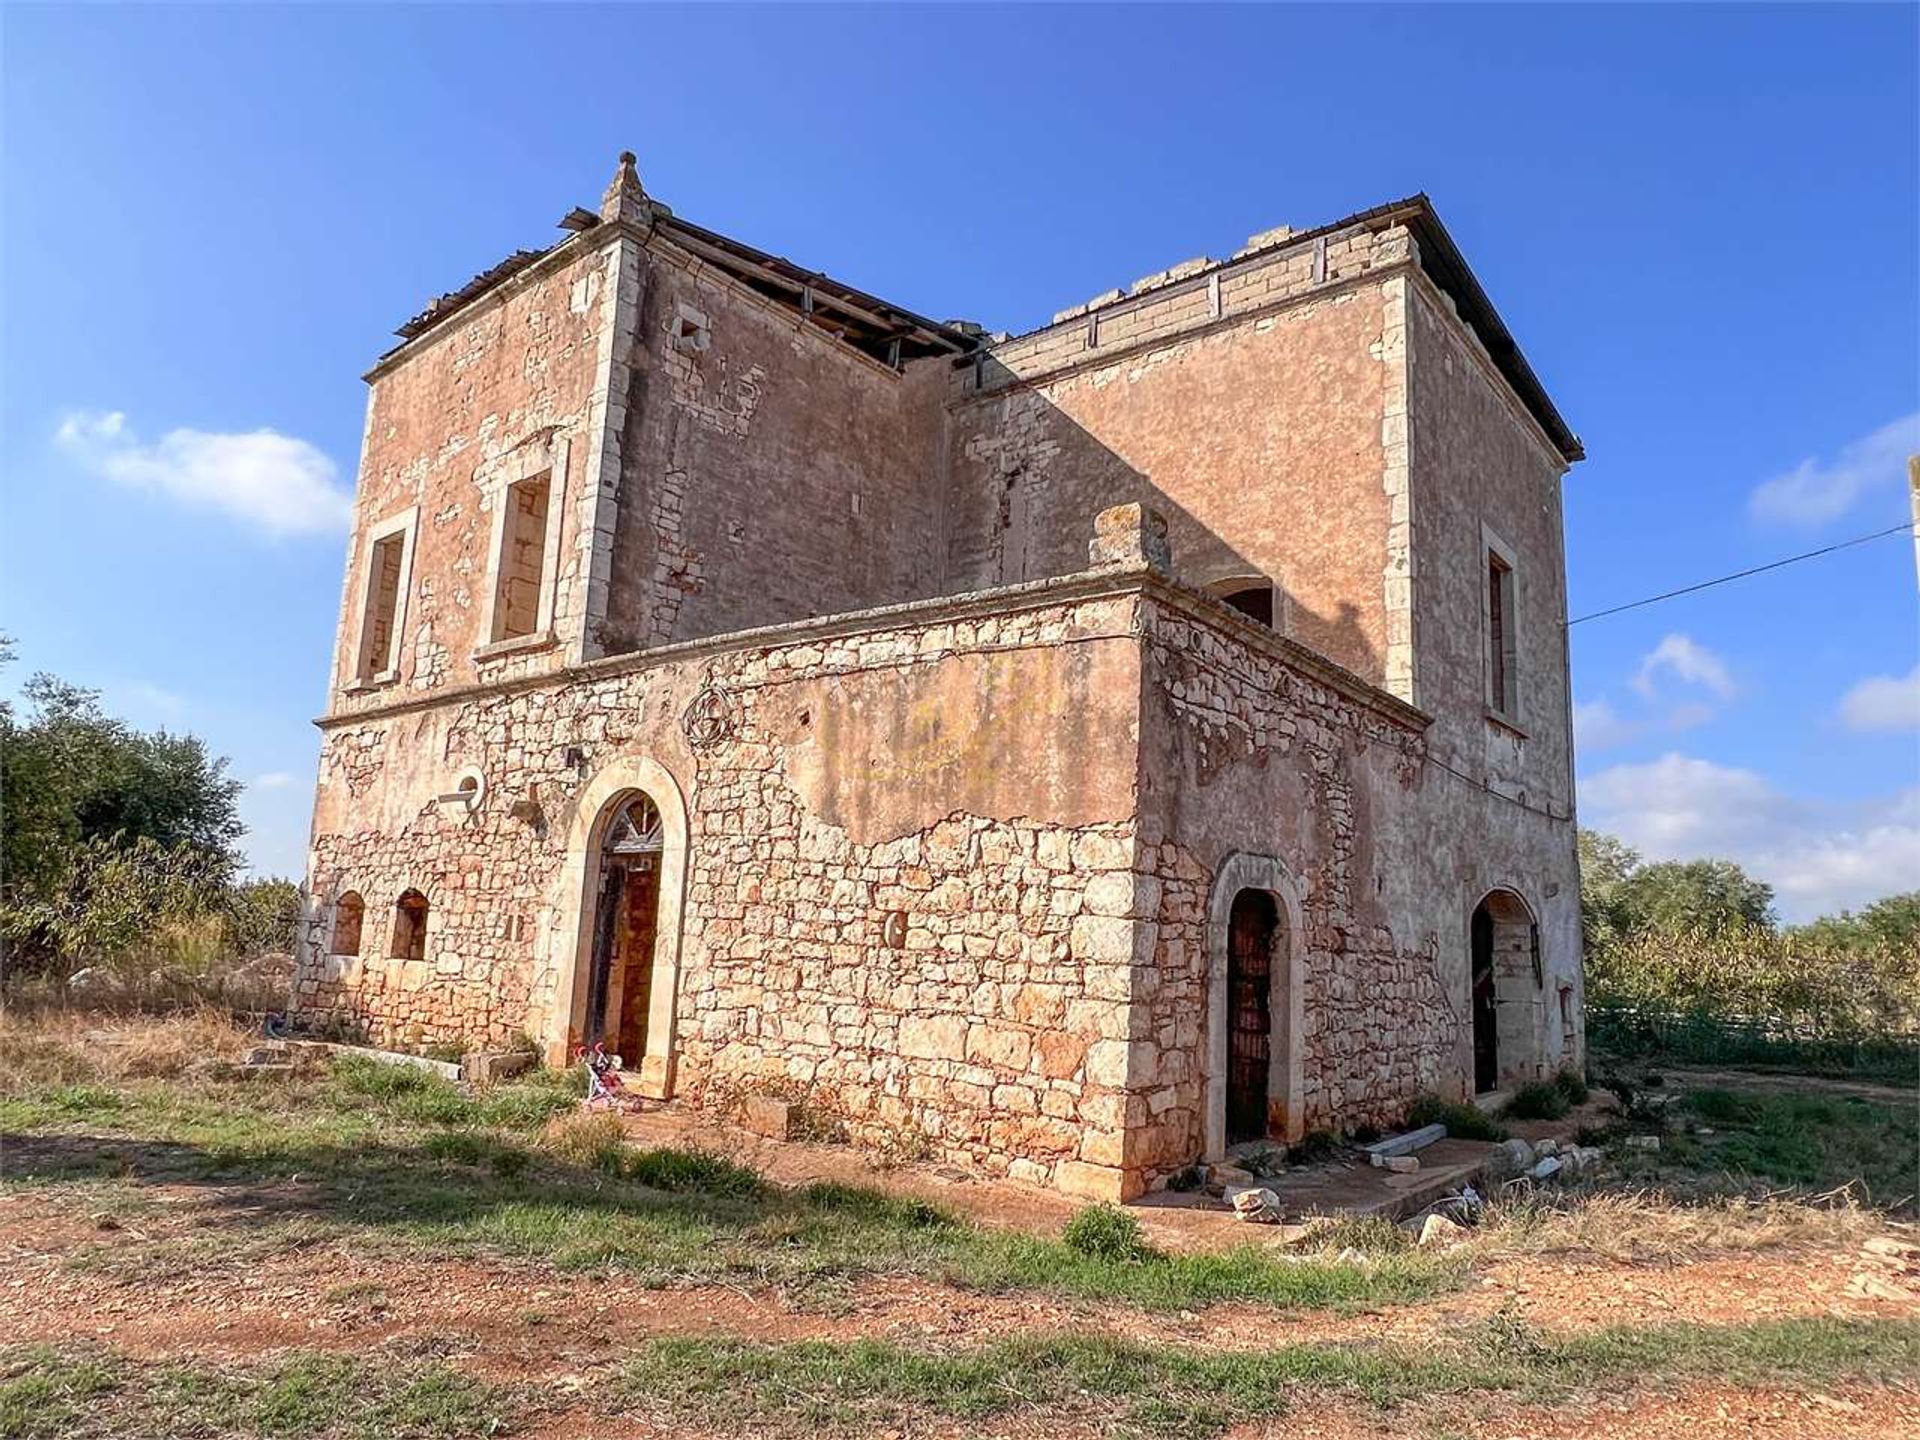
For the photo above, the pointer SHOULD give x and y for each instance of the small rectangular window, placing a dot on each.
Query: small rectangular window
(1502, 688)
(522, 564)
(386, 561)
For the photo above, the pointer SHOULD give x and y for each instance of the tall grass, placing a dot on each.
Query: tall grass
(1757, 997)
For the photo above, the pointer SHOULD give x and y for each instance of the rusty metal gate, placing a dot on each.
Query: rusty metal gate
(1250, 932)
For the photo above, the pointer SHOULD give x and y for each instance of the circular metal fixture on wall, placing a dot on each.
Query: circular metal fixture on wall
(709, 720)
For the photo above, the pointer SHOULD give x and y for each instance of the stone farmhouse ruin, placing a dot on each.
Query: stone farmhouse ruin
(1069, 754)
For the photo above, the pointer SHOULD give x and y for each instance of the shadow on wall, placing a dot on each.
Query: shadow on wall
(1023, 494)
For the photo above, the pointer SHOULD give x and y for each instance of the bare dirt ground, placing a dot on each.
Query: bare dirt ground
(531, 1324)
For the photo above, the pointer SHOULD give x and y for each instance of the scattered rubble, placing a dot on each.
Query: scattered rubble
(1256, 1205)
(1437, 1231)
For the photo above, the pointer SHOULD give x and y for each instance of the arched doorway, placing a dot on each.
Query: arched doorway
(1506, 988)
(1251, 929)
(626, 918)
(1252, 1070)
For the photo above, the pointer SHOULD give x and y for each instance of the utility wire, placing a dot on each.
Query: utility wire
(1743, 574)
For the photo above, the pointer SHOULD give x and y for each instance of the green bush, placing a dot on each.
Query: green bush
(1463, 1121)
(1572, 1084)
(1106, 1232)
(1538, 1100)
(697, 1171)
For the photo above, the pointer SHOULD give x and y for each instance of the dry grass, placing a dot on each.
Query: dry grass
(75, 1047)
(1649, 1225)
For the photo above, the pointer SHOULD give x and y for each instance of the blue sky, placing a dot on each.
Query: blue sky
(1702, 224)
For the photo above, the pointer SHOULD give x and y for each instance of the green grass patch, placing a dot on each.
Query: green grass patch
(397, 1160)
(50, 1394)
(1136, 1389)
(1815, 1142)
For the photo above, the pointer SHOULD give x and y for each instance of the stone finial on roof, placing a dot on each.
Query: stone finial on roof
(625, 199)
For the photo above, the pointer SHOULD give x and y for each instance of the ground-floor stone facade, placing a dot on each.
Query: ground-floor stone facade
(953, 873)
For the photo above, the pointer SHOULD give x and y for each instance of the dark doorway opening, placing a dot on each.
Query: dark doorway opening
(625, 920)
(1250, 935)
(1486, 1007)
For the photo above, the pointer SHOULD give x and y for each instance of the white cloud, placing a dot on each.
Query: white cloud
(276, 483)
(1883, 702)
(1598, 726)
(1817, 491)
(273, 780)
(1688, 660)
(1818, 857)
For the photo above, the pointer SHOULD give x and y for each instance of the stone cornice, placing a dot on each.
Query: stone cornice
(1113, 582)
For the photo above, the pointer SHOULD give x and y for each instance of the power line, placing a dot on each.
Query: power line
(1904, 528)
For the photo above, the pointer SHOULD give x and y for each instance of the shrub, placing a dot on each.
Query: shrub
(1314, 1146)
(1106, 1232)
(696, 1171)
(1537, 1100)
(1757, 996)
(1463, 1121)
(1572, 1084)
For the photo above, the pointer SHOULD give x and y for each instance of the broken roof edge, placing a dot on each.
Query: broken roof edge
(588, 231)
(1448, 270)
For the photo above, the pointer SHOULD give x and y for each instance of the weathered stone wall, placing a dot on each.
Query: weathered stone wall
(1246, 407)
(769, 472)
(1502, 809)
(515, 375)
(1248, 751)
(994, 1034)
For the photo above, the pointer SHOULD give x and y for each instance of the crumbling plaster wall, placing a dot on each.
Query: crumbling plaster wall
(769, 472)
(447, 425)
(994, 1033)
(1250, 415)
(1480, 466)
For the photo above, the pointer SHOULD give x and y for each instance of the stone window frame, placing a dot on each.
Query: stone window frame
(1245, 871)
(1504, 708)
(340, 903)
(496, 481)
(405, 523)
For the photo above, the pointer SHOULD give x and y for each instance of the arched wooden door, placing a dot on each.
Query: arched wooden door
(625, 922)
(1250, 934)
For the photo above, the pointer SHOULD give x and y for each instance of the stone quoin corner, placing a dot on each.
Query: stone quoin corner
(1075, 752)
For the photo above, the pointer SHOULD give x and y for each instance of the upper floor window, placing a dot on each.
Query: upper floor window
(383, 606)
(1252, 596)
(523, 557)
(1502, 631)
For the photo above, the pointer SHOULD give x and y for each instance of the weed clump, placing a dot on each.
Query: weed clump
(1314, 1146)
(1106, 1232)
(1537, 1100)
(698, 1171)
(1463, 1121)
(1572, 1084)
(592, 1141)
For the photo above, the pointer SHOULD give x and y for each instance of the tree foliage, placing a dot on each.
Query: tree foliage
(119, 846)
(1623, 895)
